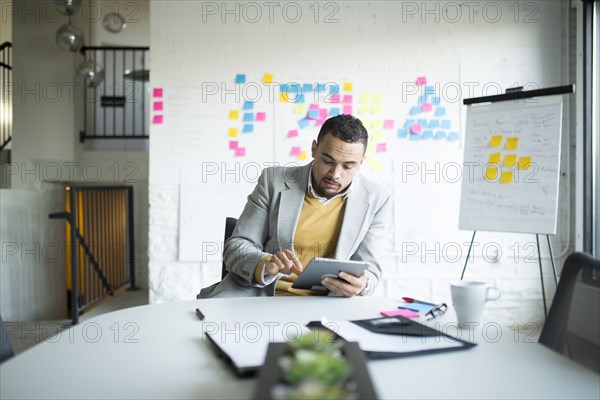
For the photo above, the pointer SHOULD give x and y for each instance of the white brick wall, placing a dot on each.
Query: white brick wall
(376, 45)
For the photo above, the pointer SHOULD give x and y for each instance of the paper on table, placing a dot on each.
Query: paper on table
(370, 341)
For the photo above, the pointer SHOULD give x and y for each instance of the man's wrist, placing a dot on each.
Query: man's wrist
(365, 290)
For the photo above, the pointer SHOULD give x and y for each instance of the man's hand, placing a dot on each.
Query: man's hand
(285, 262)
(348, 286)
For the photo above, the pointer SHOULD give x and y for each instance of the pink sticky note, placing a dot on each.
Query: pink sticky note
(157, 106)
(347, 109)
(313, 107)
(157, 119)
(426, 107)
(157, 92)
(347, 99)
(388, 124)
(416, 128)
(335, 98)
(233, 144)
(401, 313)
(260, 116)
(421, 80)
(323, 112)
(240, 152)
(292, 133)
(295, 151)
(381, 147)
(320, 121)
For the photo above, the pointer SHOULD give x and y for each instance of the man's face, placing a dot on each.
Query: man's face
(336, 163)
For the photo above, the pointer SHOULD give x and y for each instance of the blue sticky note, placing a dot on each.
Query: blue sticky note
(334, 111)
(414, 137)
(307, 87)
(248, 128)
(303, 123)
(299, 99)
(427, 134)
(409, 123)
(440, 135)
(440, 112)
(434, 123)
(320, 87)
(283, 87)
(429, 89)
(417, 307)
(422, 122)
(453, 136)
(422, 99)
(248, 105)
(314, 114)
(240, 78)
(334, 89)
(248, 117)
(294, 88)
(435, 101)
(415, 110)
(445, 124)
(402, 133)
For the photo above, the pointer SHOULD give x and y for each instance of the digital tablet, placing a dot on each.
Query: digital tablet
(318, 268)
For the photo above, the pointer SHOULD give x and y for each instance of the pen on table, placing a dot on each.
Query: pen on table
(199, 314)
(411, 300)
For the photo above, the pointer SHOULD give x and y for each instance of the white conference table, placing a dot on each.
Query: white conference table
(157, 351)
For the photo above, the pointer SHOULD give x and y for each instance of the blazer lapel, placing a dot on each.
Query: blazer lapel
(354, 216)
(290, 207)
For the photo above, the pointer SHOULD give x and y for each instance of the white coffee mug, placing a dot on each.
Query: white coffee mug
(469, 298)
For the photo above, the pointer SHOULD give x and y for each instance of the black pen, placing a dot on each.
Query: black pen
(199, 314)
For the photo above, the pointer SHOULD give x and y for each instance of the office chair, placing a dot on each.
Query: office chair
(229, 227)
(6, 351)
(573, 324)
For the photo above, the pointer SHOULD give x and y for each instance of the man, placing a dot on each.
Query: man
(323, 209)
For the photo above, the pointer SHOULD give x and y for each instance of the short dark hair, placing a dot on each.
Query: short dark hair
(345, 127)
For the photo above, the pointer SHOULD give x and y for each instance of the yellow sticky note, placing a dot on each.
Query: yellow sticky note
(283, 97)
(363, 98)
(376, 98)
(510, 160)
(376, 165)
(496, 141)
(491, 173)
(366, 122)
(512, 143)
(524, 162)
(371, 146)
(364, 110)
(302, 156)
(376, 109)
(234, 114)
(233, 132)
(347, 86)
(506, 177)
(300, 109)
(377, 136)
(495, 158)
(377, 123)
(267, 78)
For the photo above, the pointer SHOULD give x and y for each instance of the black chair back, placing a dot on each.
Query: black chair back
(6, 351)
(229, 227)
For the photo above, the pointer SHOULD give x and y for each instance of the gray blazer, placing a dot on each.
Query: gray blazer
(269, 220)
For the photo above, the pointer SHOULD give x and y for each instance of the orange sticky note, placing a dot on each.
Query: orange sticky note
(510, 160)
(512, 143)
(524, 162)
(496, 141)
(347, 86)
(234, 114)
(267, 78)
(233, 132)
(495, 158)
(506, 177)
(491, 173)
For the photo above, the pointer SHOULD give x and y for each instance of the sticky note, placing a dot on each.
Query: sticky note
(157, 106)
(347, 99)
(267, 78)
(347, 109)
(377, 123)
(284, 97)
(506, 177)
(376, 110)
(347, 86)
(233, 132)
(366, 122)
(299, 99)
(426, 107)
(388, 124)
(335, 98)
(323, 113)
(453, 136)
(440, 112)
(234, 114)
(320, 121)
(295, 151)
(363, 98)
(413, 137)
(334, 111)
(422, 122)
(294, 88)
(283, 87)
(381, 147)
(157, 119)
(427, 134)
(512, 143)
(303, 123)
(421, 80)
(248, 105)
(422, 99)
(524, 162)
(376, 98)
(402, 133)
(240, 152)
(415, 110)
(416, 307)
(400, 312)
(240, 78)
(435, 101)
(376, 136)
(320, 87)
(429, 89)
(260, 116)
(334, 88)
(248, 117)
(233, 144)
(364, 109)
(292, 133)
(445, 124)
(300, 109)
(248, 128)
(491, 173)
(302, 156)
(495, 158)
(157, 92)
(313, 114)
(416, 128)
(408, 123)
(313, 106)
(434, 123)
(439, 135)
(510, 160)
(496, 141)
(307, 87)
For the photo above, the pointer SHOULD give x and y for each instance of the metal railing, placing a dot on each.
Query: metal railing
(100, 243)
(5, 94)
(118, 107)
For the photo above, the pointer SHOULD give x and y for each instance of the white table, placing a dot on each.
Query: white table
(157, 351)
